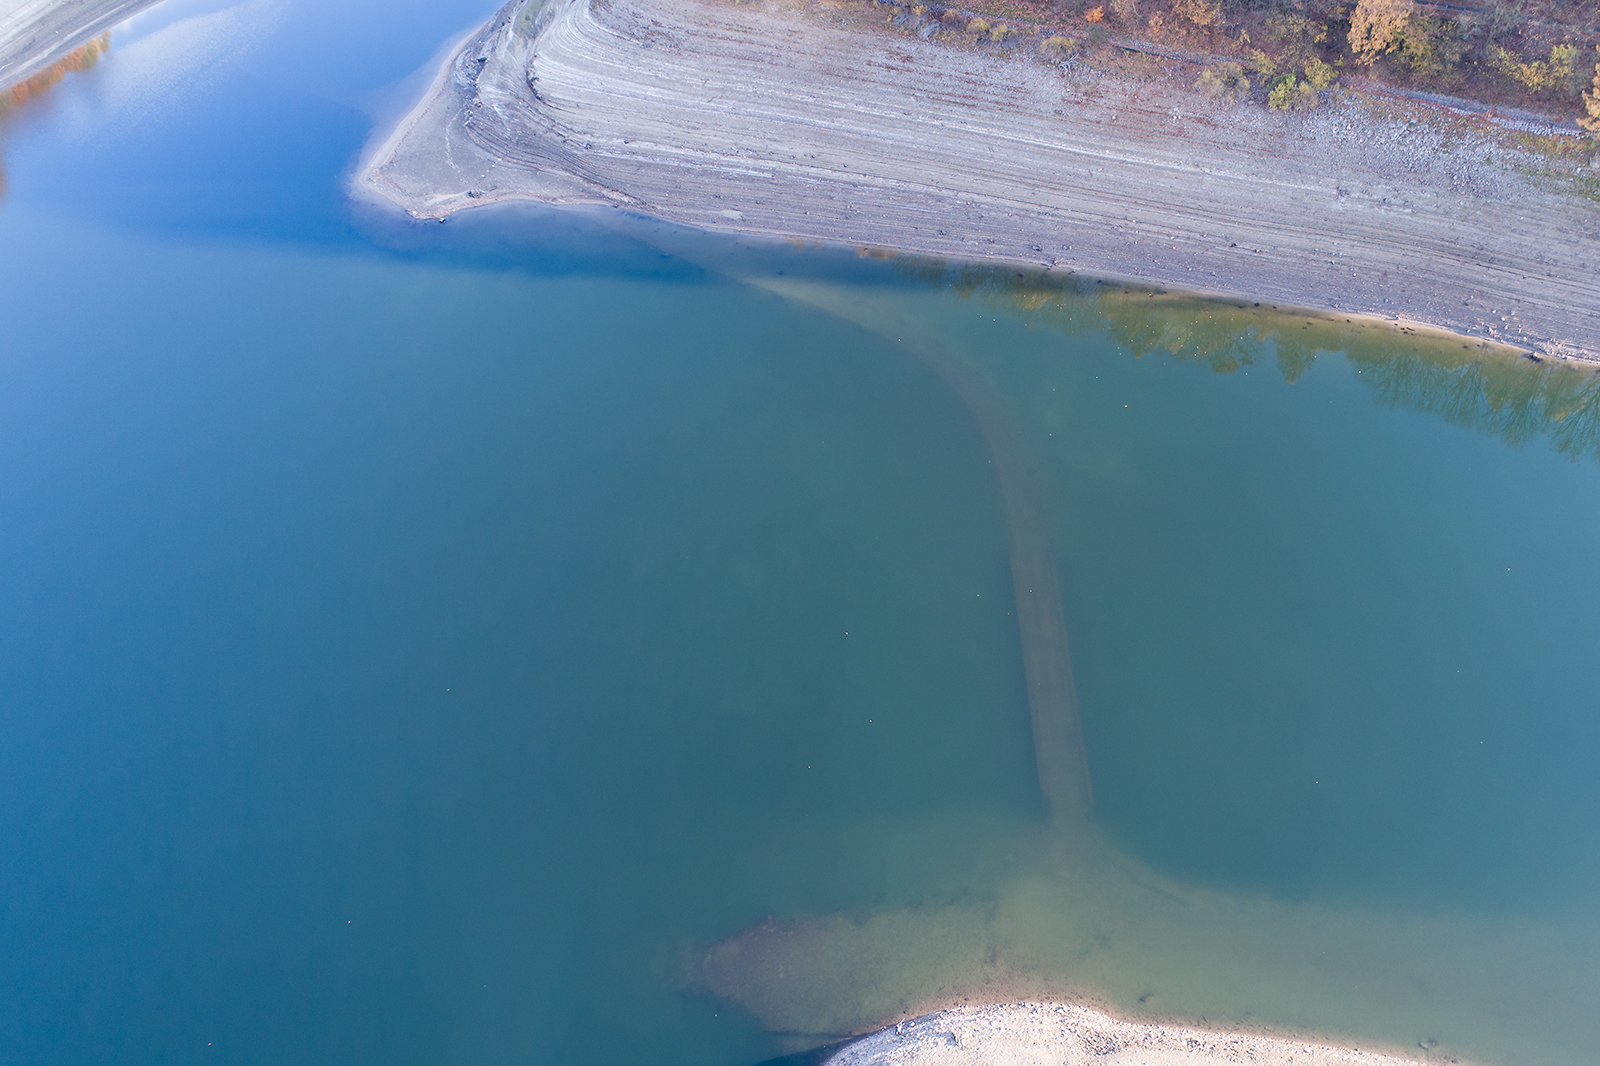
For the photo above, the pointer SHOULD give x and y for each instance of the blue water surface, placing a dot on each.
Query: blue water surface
(418, 642)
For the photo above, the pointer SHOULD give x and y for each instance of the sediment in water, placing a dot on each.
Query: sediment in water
(1063, 765)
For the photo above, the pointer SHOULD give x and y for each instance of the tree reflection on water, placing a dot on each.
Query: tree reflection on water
(1476, 385)
(15, 96)
(1514, 399)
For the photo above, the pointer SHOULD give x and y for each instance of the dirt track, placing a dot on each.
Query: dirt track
(817, 120)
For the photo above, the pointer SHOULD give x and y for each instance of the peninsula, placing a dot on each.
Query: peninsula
(825, 120)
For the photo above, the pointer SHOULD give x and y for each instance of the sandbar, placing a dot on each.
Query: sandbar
(1058, 1034)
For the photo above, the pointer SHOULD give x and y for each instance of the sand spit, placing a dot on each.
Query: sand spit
(815, 119)
(36, 33)
(1055, 1034)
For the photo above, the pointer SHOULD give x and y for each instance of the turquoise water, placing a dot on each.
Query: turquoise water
(426, 643)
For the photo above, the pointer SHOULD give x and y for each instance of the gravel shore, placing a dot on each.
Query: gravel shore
(817, 119)
(1056, 1034)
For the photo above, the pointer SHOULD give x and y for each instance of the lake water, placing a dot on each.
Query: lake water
(427, 644)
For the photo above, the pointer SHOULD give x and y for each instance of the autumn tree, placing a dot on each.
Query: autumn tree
(1203, 13)
(1378, 27)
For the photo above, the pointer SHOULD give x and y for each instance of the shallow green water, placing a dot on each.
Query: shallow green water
(426, 644)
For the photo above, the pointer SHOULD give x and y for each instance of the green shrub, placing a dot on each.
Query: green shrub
(1496, 18)
(1319, 74)
(1297, 37)
(1539, 75)
(1431, 46)
(1058, 47)
(1225, 81)
(1291, 94)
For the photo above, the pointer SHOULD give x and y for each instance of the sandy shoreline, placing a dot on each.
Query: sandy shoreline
(1060, 1034)
(814, 119)
(36, 33)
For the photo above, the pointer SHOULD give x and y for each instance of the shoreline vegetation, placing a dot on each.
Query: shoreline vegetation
(846, 121)
(1532, 60)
